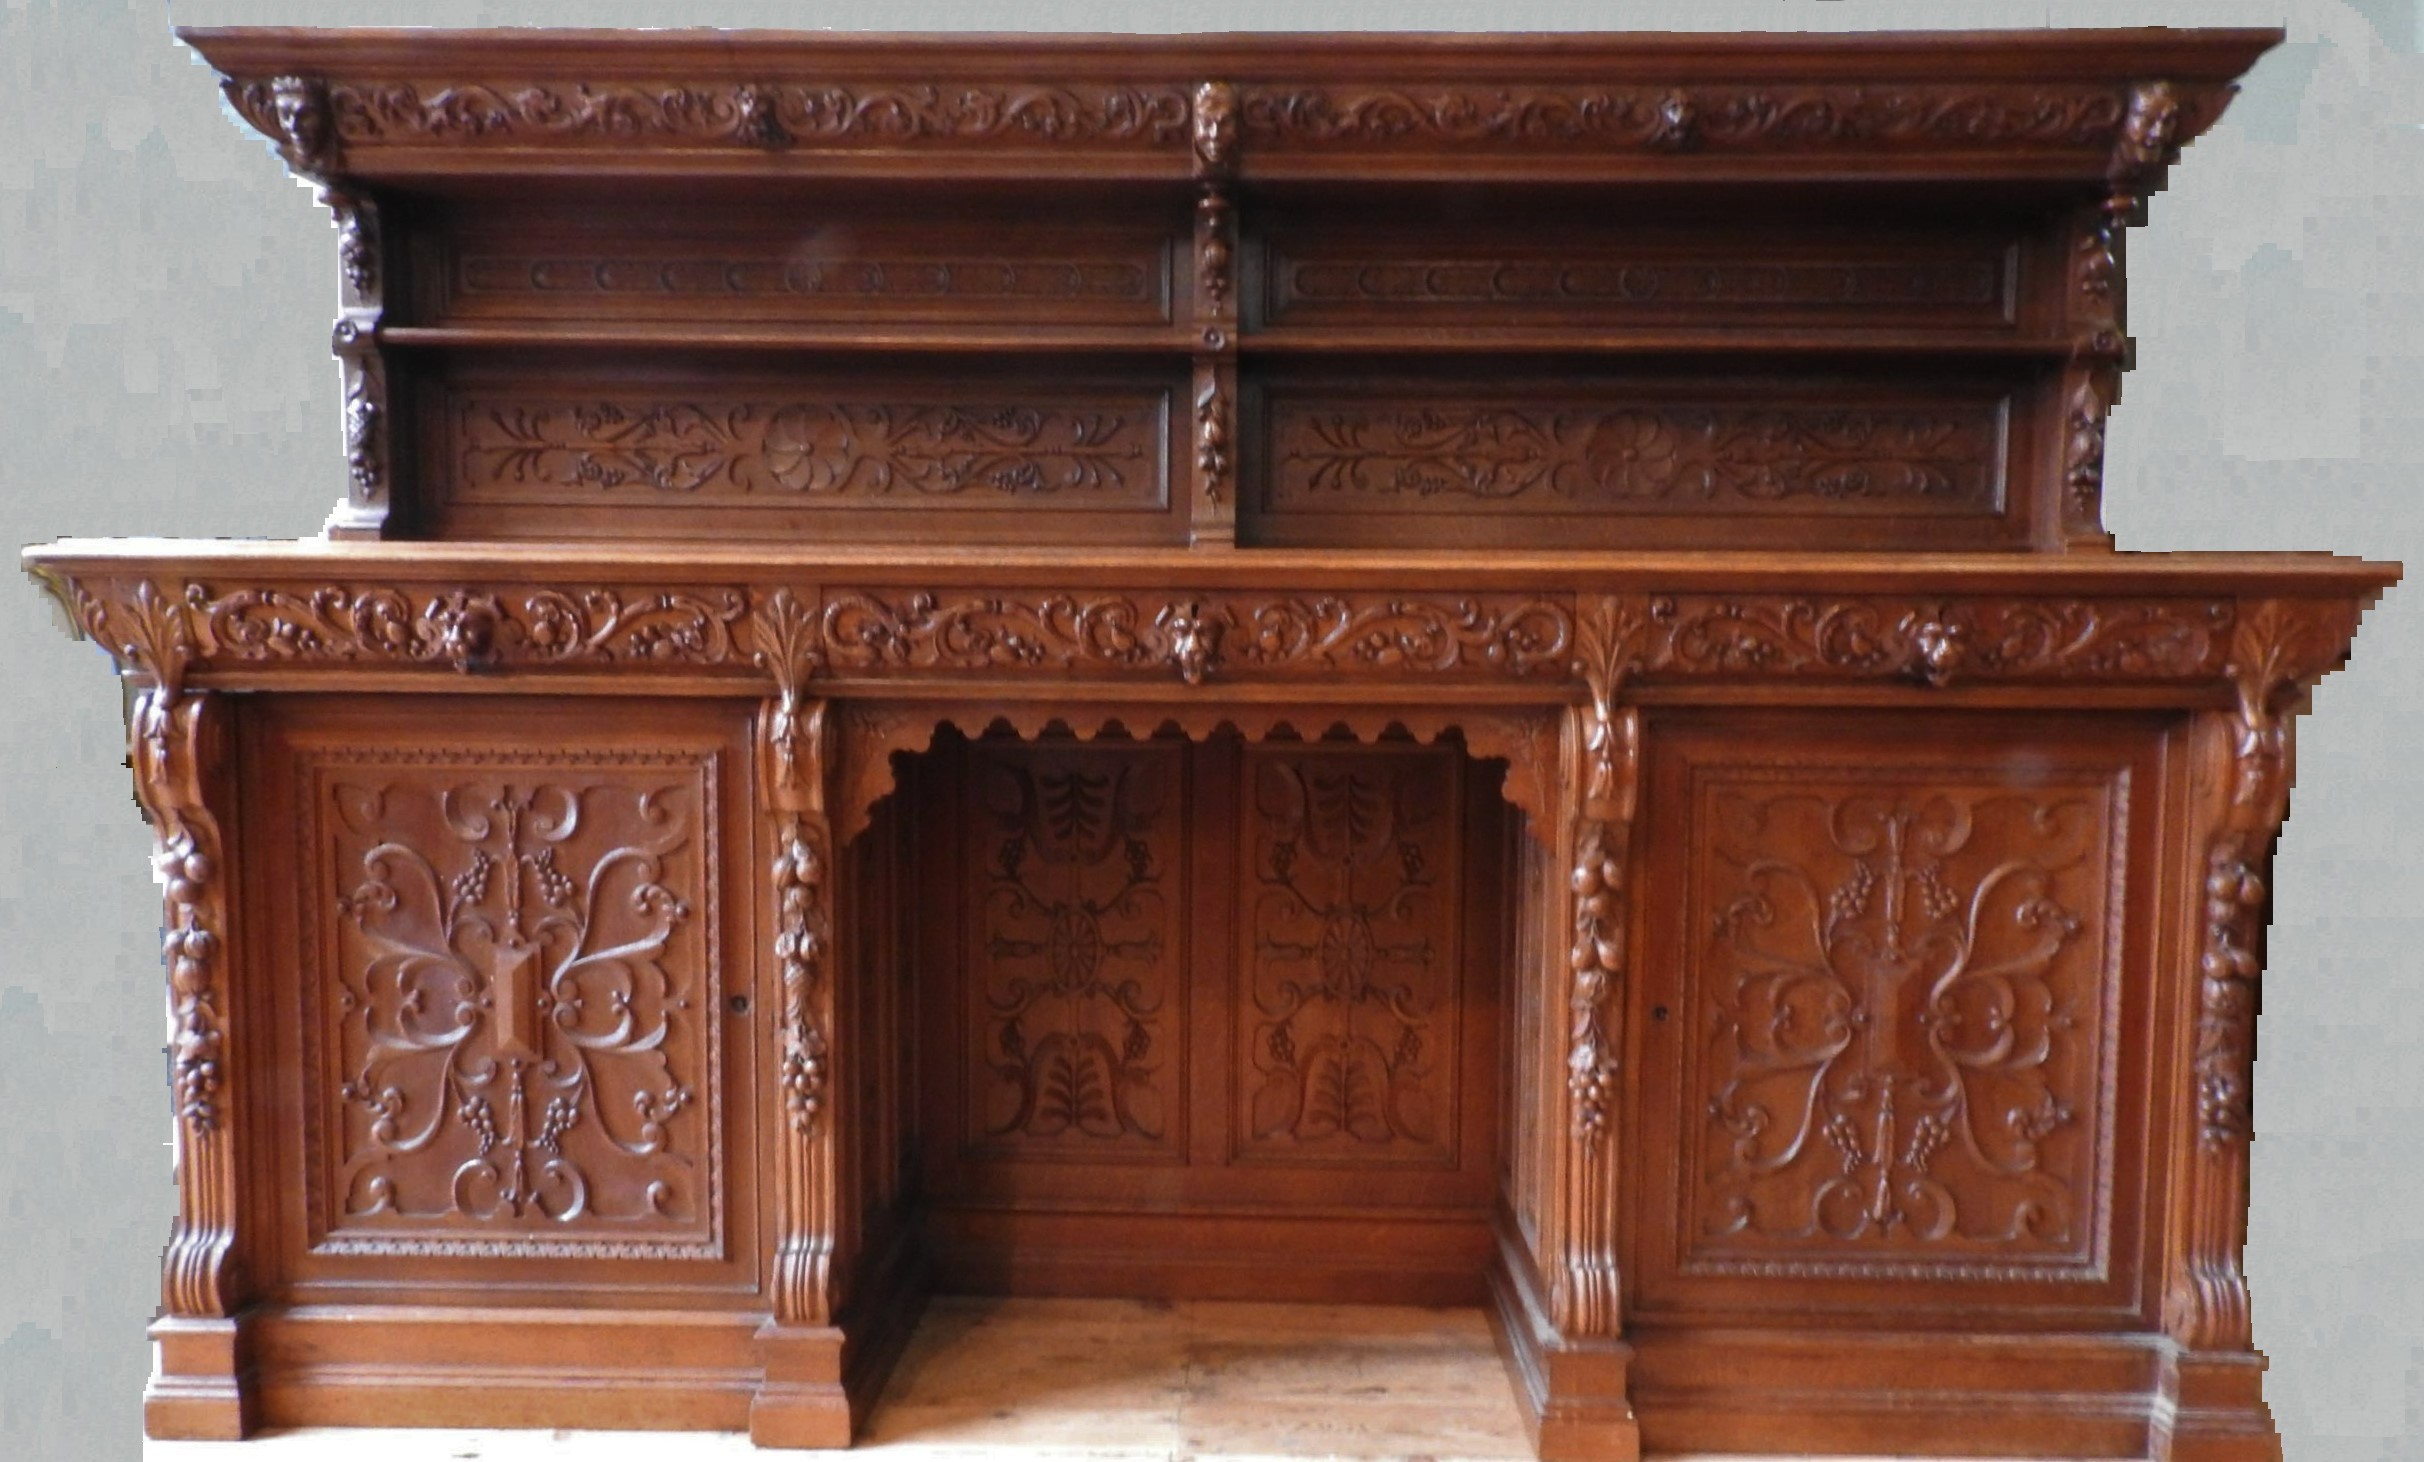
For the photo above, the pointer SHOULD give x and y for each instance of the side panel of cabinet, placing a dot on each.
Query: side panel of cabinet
(508, 951)
(1896, 1018)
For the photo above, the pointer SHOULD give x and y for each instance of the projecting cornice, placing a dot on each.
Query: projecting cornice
(2100, 108)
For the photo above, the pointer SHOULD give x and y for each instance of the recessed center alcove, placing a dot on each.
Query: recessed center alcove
(1222, 1011)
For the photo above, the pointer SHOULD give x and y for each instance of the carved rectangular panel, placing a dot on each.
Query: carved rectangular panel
(811, 446)
(973, 262)
(1885, 1017)
(1546, 274)
(1075, 1009)
(1548, 449)
(512, 990)
(1351, 952)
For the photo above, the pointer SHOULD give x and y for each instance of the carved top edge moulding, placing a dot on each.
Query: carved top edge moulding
(402, 104)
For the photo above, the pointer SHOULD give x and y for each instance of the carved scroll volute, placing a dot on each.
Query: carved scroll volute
(795, 762)
(2281, 647)
(1616, 638)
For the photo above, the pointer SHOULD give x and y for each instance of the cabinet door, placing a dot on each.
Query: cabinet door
(1894, 1015)
(510, 934)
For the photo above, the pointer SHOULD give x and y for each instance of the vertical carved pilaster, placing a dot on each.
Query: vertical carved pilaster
(1213, 507)
(1212, 498)
(1616, 637)
(370, 456)
(795, 765)
(2279, 648)
(176, 740)
(294, 113)
(174, 744)
(2147, 145)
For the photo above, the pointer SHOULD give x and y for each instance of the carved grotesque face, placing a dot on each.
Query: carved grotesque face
(301, 118)
(1215, 123)
(2154, 120)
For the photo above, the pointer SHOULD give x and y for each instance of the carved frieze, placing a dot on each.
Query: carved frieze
(1204, 637)
(864, 451)
(675, 114)
(490, 281)
(1941, 641)
(465, 629)
(1797, 118)
(1657, 455)
(1200, 637)
(1636, 282)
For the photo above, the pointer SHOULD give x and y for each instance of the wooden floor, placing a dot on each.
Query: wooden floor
(1103, 1380)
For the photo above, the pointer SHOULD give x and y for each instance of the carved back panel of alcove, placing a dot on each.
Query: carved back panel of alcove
(1208, 975)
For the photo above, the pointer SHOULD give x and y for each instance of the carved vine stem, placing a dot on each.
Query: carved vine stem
(794, 763)
(1615, 638)
(2280, 648)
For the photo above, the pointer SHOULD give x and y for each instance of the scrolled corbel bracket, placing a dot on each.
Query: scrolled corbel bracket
(1616, 637)
(795, 764)
(2279, 649)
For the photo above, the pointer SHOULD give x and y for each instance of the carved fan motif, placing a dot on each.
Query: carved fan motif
(1077, 959)
(1353, 952)
(516, 1004)
(1901, 1011)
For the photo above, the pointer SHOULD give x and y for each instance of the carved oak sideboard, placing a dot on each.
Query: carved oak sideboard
(1432, 670)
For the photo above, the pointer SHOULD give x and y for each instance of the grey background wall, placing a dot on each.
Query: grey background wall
(165, 295)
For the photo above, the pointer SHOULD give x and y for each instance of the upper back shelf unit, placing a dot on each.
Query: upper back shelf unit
(1407, 290)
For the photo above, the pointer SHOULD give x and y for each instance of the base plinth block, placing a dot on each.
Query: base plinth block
(801, 1402)
(201, 1387)
(2212, 1410)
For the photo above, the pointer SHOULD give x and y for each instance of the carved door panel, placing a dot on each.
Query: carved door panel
(515, 987)
(1895, 990)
